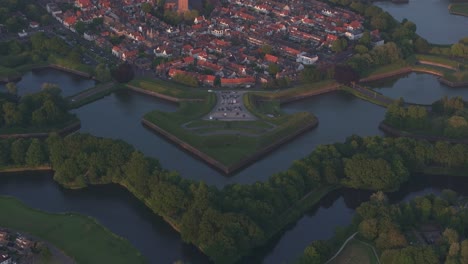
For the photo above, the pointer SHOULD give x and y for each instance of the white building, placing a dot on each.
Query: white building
(306, 59)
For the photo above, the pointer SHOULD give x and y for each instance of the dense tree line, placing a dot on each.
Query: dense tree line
(230, 222)
(446, 118)
(43, 109)
(11, 12)
(23, 152)
(37, 49)
(407, 117)
(460, 49)
(391, 228)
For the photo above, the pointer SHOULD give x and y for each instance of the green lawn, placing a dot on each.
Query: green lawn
(386, 69)
(356, 252)
(244, 139)
(438, 59)
(64, 62)
(169, 88)
(80, 237)
(459, 8)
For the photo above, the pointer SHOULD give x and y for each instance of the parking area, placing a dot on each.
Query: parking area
(230, 107)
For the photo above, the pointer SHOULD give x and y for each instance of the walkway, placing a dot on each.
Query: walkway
(380, 98)
(91, 92)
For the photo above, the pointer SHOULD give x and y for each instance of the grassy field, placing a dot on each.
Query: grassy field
(386, 69)
(80, 237)
(74, 66)
(356, 252)
(438, 59)
(169, 88)
(244, 138)
(459, 8)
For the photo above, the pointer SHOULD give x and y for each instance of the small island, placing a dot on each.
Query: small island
(445, 119)
(35, 115)
(229, 129)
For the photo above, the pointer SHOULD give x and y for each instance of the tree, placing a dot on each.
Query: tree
(80, 27)
(35, 155)
(345, 74)
(266, 49)
(146, 7)
(464, 251)
(18, 151)
(339, 45)
(11, 88)
(103, 73)
(450, 235)
(123, 73)
(421, 45)
(368, 228)
(273, 69)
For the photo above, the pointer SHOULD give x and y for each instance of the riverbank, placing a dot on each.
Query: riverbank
(299, 92)
(459, 9)
(14, 75)
(80, 237)
(400, 133)
(75, 126)
(167, 90)
(447, 71)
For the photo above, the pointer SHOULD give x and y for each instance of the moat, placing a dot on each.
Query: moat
(341, 115)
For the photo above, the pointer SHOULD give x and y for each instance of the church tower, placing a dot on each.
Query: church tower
(182, 6)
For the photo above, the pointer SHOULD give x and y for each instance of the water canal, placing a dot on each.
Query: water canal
(70, 84)
(417, 88)
(118, 116)
(432, 19)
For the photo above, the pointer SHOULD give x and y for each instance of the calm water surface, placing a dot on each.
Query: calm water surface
(70, 84)
(418, 88)
(119, 116)
(432, 18)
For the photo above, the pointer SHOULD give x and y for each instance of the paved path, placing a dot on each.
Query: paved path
(91, 92)
(230, 107)
(342, 247)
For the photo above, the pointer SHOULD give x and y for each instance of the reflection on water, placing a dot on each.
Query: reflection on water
(417, 88)
(70, 84)
(432, 18)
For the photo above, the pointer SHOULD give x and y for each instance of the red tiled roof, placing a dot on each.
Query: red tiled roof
(271, 58)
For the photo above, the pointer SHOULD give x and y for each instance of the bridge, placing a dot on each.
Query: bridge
(378, 98)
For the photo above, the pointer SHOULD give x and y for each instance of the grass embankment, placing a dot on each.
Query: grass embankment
(7, 74)
(167, 88)
(80, 237)
(372, 96)
(391, 69)
(297, 91)
(452, 72)
(228, 142)
(66, 63)
(356, 252)
(459, 9)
